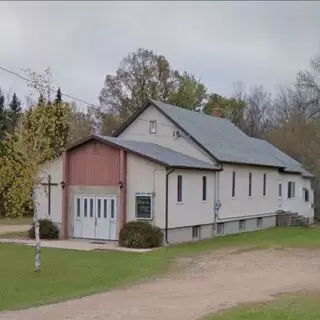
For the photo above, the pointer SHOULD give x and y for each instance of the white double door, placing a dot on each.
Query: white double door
(95, 217)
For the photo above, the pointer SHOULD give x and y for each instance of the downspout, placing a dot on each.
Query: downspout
(217, 203)
(167, 204)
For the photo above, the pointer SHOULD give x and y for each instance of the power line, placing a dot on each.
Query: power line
(48, 87)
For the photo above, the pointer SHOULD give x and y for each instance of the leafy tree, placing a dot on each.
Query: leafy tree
(41, 82)
(141, 75)
(230, 108)
(108, 122)
(80, 123)
(189, 93)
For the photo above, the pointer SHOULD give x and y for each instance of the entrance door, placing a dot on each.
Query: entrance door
(95, 217)
(280, 195)
(102, 224)
(88, 218)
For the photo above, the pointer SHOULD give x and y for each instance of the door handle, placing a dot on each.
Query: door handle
(95, 220)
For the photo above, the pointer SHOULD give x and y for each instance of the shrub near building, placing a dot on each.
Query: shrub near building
(140, 234)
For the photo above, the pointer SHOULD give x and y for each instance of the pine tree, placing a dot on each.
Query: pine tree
(58, 97)
(3, 117)
(41, 99)
(15, 104)
(14, 111)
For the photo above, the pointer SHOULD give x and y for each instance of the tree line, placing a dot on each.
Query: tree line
(288, 119)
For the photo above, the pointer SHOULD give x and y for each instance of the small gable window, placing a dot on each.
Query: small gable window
(153, 127)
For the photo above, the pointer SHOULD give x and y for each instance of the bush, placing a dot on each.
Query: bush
(48, 230)
(140, 234)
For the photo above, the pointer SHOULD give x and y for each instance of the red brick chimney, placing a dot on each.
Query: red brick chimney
(216, 111)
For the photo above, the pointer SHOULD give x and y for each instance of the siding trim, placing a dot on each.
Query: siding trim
(65, 197)
(123, 188)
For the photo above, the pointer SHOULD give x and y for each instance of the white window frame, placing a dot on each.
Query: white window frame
(233, 185)
(180, 201)
(264, 185)
(304, 191)
(291, 190)
(143, 194)
(153, 126)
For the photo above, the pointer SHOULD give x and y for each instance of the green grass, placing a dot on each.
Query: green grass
(16, 221)
(298, 306)
(68, 274)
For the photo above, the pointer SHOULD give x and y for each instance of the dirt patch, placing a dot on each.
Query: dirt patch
(210, 283)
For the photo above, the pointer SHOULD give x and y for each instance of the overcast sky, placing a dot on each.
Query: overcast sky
(220, 42)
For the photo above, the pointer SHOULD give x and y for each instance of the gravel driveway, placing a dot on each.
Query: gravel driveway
(213, 282)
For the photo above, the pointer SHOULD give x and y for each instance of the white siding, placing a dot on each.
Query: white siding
(297, 204)
(192, 211)
(139, 131)
(243, 205)
(146, 176)
(54, 168)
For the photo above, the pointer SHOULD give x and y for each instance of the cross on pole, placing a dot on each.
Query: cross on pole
(49, 184)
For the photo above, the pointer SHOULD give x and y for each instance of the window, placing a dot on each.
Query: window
(264, 187)
(85, 208)
(280, 190)
(143, 206)
(105, 208)
(153, 127)
(233, 184)
(112, 209)
(291, 189)
(78, 207)
(179, 187)
(305, 194)
(220, 228)
(250, 184)
(204, 188)
(196, 232)
(99, 208)
(91, 208)
(242, 225)
(259, 222)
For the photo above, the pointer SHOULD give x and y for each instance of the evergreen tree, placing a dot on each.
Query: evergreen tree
(3, 117)
(41, 99)
(14, 111)
(58, 97)
(15, 104)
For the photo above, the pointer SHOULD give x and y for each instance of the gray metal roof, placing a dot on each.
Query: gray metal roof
(226, 142)
(160, 154)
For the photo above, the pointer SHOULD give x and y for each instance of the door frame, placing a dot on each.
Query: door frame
(77, 231)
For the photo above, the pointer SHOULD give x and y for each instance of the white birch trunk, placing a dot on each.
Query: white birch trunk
(37, 262)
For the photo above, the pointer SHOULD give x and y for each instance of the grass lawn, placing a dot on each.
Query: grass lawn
(69, 274)
(299, 306)
(15, 235)
(16, 221)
